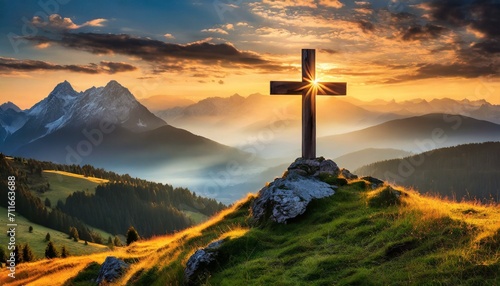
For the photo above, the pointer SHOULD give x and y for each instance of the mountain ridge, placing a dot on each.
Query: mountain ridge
(469, 171)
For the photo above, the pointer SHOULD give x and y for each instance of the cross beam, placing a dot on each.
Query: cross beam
(309, 88)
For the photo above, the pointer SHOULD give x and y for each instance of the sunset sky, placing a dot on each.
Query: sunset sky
(399, 49)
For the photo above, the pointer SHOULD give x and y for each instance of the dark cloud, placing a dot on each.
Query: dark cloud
(329, 51)
(10, 65)
(158, 52)
(487, 47)
(366, 26)
(482, 15)
(463, 70)
(479, 15)
(426, 32)
(114, 67)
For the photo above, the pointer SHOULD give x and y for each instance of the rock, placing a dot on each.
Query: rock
(348, 175)
(197, 266)
(376, 183)
(314, 167)
(328, 167)
(288, 197)
(112, 269)
(304, 166)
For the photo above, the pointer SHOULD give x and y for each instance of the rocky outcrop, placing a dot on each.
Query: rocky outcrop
(197, 267)
(112, 269)
(348, 175)
(375, 183)
(288, 197)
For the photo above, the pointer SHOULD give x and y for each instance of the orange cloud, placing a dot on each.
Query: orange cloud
(57, 22)
(331, 3)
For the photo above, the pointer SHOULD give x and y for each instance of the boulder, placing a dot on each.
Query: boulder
(375, 183)
(197, 266)
(288, 197)
(314, 167)
(348, 175)
(112, 269)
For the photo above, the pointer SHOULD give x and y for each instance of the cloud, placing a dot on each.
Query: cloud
(220, 82)
(331, 3)
(11, 65)
(215, 30)
(480, 16)
(161, 55)
(426, 32)
(329, 51)
(56, 22)
(290, 3)
(169, 36)
(457, 69)
(366, 26)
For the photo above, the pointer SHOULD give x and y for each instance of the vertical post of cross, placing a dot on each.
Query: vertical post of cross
(308, 105)
(308, 87)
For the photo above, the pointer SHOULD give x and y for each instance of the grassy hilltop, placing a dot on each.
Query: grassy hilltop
(358, 236)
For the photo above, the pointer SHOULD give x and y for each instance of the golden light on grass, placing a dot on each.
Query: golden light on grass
(175, 249)
(91, 179)
(485, 218)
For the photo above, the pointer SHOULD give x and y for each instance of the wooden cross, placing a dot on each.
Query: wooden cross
(309, 88)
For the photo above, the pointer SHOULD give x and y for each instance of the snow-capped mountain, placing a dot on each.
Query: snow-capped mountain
(64, 107)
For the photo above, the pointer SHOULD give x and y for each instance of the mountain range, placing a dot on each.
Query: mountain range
(276, 119)
(414, 134)
(107, 127)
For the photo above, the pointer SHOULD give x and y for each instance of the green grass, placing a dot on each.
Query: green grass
(358, 236)
(195, 216)
(36, 239)
(61, 186)
(346, 239)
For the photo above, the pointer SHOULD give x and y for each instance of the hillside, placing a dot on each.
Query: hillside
(90, 199)
(354, 160)
(358, 236)
(414, 134)
(37, 242)
(470, 171)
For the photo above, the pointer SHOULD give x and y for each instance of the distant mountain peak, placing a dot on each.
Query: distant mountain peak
(64, 88)
(10, 105)
(114, 83)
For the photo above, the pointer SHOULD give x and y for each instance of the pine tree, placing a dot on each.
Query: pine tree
(28, 253)
(132, 235)
(3, 255)
(48, 203)
(73, 233)
(110, 241)
(47, 237)
(117, 241)
(51, 251)
(18, 254)
(30, 229)
(64, 252)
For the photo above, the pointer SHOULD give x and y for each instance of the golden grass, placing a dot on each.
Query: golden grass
(157, 251)
(91, 179)
(485, 218)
